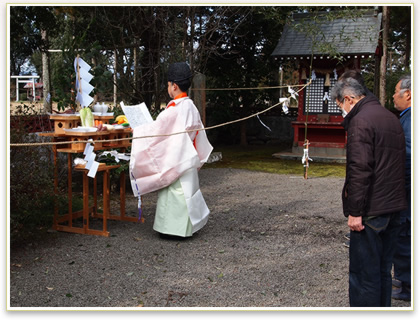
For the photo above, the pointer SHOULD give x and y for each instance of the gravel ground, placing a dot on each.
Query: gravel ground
(272, 241)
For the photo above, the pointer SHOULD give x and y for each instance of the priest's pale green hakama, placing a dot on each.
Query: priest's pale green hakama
(181, 209)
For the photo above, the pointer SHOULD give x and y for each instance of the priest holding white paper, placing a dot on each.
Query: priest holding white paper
(170, 163)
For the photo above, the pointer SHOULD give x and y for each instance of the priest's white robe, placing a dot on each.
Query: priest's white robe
(170, 164)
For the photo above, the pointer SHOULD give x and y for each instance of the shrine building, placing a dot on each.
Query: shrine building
(353, 39)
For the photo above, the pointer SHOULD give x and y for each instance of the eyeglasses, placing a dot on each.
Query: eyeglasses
(340, 104)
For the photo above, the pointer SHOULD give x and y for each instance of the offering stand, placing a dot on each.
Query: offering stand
(63, 133)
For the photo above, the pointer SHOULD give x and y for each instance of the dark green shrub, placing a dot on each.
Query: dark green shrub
(31, 186)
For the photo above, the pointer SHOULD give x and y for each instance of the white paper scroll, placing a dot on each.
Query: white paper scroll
(137, 114)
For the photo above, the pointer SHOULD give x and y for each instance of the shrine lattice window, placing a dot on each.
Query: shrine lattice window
(317, 97)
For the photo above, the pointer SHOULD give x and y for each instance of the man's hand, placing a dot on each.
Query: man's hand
(355, 223)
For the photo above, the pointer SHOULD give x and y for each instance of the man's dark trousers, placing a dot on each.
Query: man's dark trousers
(371, 253)
(402, 257)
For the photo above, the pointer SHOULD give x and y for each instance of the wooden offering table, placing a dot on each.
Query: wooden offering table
(93, 210)
(69, 143)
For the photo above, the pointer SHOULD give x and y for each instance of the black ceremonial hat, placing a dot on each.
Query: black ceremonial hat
(179, 71)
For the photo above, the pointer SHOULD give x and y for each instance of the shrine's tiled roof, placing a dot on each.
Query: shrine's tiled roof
(353, 36)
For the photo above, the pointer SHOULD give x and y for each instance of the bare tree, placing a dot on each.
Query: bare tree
(383, 67)
(46, 72)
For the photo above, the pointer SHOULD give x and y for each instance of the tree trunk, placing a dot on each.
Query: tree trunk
(407, 51)
(192, 24)
(46, 73)
(199, 84)
(115, 77)
(136, 70)
(244, 141)
(385, 33)
(95, 96)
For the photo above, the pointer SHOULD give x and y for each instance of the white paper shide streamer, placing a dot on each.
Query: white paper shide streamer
(83, 87)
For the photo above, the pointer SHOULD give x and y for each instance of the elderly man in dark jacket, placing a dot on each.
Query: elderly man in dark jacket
(373, 192)
(402, 257)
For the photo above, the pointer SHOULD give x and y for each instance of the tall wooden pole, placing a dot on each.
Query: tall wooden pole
(385, 33)
(115, 77)
(136, 69)
(199, 82)
(306, 159)
(45, 73)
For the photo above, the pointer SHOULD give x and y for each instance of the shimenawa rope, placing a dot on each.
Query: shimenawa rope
(162, 135)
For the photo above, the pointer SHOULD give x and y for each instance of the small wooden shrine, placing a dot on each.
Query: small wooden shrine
(355, 38)
(30, 87)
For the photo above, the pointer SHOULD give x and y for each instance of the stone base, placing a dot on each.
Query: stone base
(316, 158)
(214, 156)
(321, 151)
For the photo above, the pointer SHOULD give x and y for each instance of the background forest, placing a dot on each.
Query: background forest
(132, 46)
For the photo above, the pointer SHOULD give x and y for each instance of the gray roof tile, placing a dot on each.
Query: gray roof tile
(347, 36)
